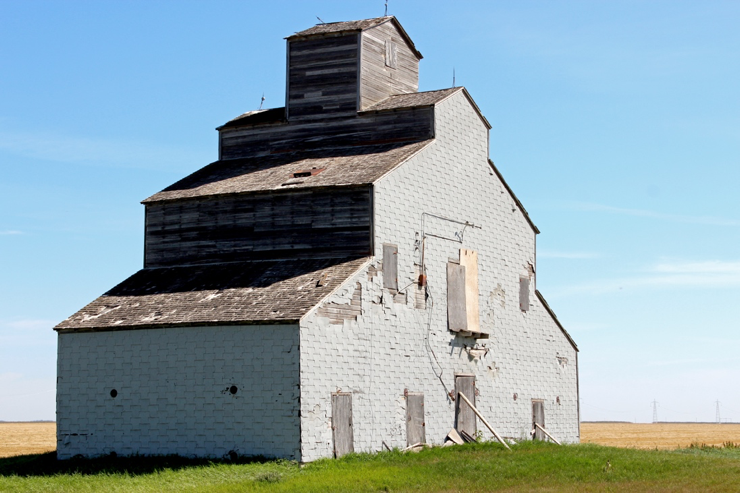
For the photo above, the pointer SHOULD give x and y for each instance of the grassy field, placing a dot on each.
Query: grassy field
(470, 468)
(478, 467)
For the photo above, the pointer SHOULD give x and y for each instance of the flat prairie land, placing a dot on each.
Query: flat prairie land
(659, 435)
(27, 438)
(38, 438)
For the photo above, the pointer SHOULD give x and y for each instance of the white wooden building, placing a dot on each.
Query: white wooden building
(351, 263)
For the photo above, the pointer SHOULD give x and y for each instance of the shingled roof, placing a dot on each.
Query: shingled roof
(330, 167)
(412, 100)
(354, 26)
(256, 117)
(222, 294)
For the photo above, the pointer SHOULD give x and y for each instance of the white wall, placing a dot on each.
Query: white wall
(173, 391)
(393, 346)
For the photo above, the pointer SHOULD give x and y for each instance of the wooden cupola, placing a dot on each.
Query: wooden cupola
(338, 69)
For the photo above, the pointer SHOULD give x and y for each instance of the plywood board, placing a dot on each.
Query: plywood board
(524, 293)
(341, 424)
(538, 416)
(457, 317)
(390, 266)
(469, 260)
(415, 425)
(465, 419)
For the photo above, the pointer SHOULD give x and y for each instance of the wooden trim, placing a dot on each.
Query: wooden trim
(287, 82)
(578, 399)
(358, 99)
(184, 324)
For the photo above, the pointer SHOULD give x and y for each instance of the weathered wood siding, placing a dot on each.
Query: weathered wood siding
(310, 223)
(375, 128)
(322, 76)
(377, 79)
(465, 419)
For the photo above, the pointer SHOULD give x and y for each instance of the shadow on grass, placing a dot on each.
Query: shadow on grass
(48, 465)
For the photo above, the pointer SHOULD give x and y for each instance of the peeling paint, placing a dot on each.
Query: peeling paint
(338, 313)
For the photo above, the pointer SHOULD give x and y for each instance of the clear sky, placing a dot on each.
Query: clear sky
(616, 123)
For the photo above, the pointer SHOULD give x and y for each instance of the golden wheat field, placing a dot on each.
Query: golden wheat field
(35, 438)
(27, 438)
(659, 435)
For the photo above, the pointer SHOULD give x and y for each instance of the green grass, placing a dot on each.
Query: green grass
(476, 467)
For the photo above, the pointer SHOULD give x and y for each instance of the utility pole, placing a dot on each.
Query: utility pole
(719, 420)
(655, 411)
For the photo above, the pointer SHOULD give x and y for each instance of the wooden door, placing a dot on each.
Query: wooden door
(341, 423)
(415, 426)
(464, 415)
(538, 417)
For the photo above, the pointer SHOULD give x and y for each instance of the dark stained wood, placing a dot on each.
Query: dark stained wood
(307, 223)
(341, 424)
(464, 415)
(322, 76)
(305, 134)
(415, 421)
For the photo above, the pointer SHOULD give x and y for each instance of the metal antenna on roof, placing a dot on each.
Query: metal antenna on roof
(262, 100)
(321, 21)
(386, 8)
(453, 76)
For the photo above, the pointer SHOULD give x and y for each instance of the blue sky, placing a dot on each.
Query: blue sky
(616, 123)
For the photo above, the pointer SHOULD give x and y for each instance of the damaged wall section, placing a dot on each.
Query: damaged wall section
(337, 313)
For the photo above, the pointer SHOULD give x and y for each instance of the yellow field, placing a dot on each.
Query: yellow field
(27, 438)
(660, 435)
(36, 438)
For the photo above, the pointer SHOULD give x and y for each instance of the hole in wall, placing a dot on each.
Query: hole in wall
(113, 393)
(233, 389)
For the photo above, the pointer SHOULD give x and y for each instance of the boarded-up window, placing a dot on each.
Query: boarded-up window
(341, 423)
(524, 293)
(462, 293)
(469, 260)
(391, 54)
(464, 414)
(390, 266)
(415, 426)
(457, 317)
(538, 417)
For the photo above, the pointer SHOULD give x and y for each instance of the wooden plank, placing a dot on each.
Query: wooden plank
(415, 421)
(390, 266)
(469, 260)
(341, 423)
(524, 294)
(457, 318)
(537, 425)
(538, 418)
(485, 422)
(464, 414)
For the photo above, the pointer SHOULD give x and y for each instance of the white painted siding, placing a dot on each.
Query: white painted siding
(173, 392)
(392, 346)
